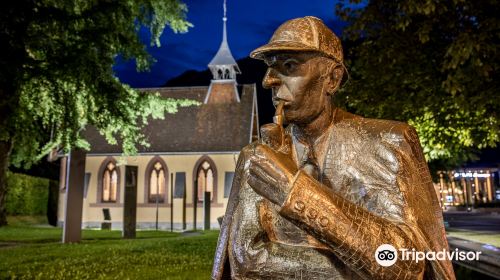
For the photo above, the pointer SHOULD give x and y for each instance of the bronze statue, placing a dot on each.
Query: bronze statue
(316, 200)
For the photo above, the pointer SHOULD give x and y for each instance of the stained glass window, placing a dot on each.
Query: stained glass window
(109, 183)
(157, 184)
(205, 181)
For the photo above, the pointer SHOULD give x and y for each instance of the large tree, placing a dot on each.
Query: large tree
(431, 63)
(56, 74)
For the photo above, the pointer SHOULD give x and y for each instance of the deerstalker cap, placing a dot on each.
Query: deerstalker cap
(303, 34)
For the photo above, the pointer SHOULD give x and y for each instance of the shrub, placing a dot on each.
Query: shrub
(26, 195)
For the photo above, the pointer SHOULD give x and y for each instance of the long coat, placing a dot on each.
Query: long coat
(375, 189)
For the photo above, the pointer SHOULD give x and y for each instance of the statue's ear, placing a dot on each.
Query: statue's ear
(334, 79)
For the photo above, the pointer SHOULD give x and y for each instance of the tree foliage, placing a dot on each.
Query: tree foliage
(57, 71)
(430, 63)
(56, 74)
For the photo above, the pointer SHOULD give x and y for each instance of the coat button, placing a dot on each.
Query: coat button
(312, 214)
(299, 206)
(323, 221)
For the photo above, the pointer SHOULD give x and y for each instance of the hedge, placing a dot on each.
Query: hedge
(26, 195)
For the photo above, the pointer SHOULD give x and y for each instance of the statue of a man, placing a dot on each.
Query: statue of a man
(317, 203)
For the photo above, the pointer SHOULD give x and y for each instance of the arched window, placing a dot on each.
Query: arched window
(205, 180)
(109, 183)
(157, 183)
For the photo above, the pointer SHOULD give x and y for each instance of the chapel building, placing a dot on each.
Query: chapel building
(193, 154)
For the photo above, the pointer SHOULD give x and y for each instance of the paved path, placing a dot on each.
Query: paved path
(473, 221)
(190, 233)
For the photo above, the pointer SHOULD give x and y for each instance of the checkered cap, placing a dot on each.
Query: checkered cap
(303, 34)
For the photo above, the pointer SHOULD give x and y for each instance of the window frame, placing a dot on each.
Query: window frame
(205, 177)
(213, 166)
(147, 180)
(100, 181)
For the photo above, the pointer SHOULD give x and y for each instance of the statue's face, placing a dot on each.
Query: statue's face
(298, 78)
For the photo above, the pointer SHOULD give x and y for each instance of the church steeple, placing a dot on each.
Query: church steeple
(223, 65)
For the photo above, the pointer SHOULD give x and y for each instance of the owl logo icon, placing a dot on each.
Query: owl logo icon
(386, 255)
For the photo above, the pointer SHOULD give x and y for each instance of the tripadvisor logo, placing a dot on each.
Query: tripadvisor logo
(387, 255)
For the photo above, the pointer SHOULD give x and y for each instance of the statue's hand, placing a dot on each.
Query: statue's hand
(272, 135)
(271, 173)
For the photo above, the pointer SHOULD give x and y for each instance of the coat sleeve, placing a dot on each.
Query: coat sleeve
(423, 201)
(353, 233)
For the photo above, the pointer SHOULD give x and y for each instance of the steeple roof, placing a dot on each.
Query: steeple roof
(223, 65)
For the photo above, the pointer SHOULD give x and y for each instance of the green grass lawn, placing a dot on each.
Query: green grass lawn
(30, 252)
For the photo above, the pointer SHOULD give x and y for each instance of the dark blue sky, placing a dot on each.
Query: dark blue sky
(250, 24)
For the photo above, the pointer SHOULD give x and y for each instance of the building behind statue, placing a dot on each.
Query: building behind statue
(192, 152)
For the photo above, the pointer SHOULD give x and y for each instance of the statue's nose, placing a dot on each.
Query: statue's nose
(271, 79)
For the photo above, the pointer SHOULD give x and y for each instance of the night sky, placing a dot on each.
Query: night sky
(250, 24)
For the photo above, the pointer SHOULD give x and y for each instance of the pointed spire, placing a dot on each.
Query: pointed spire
(224, 20)
(223, 65)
